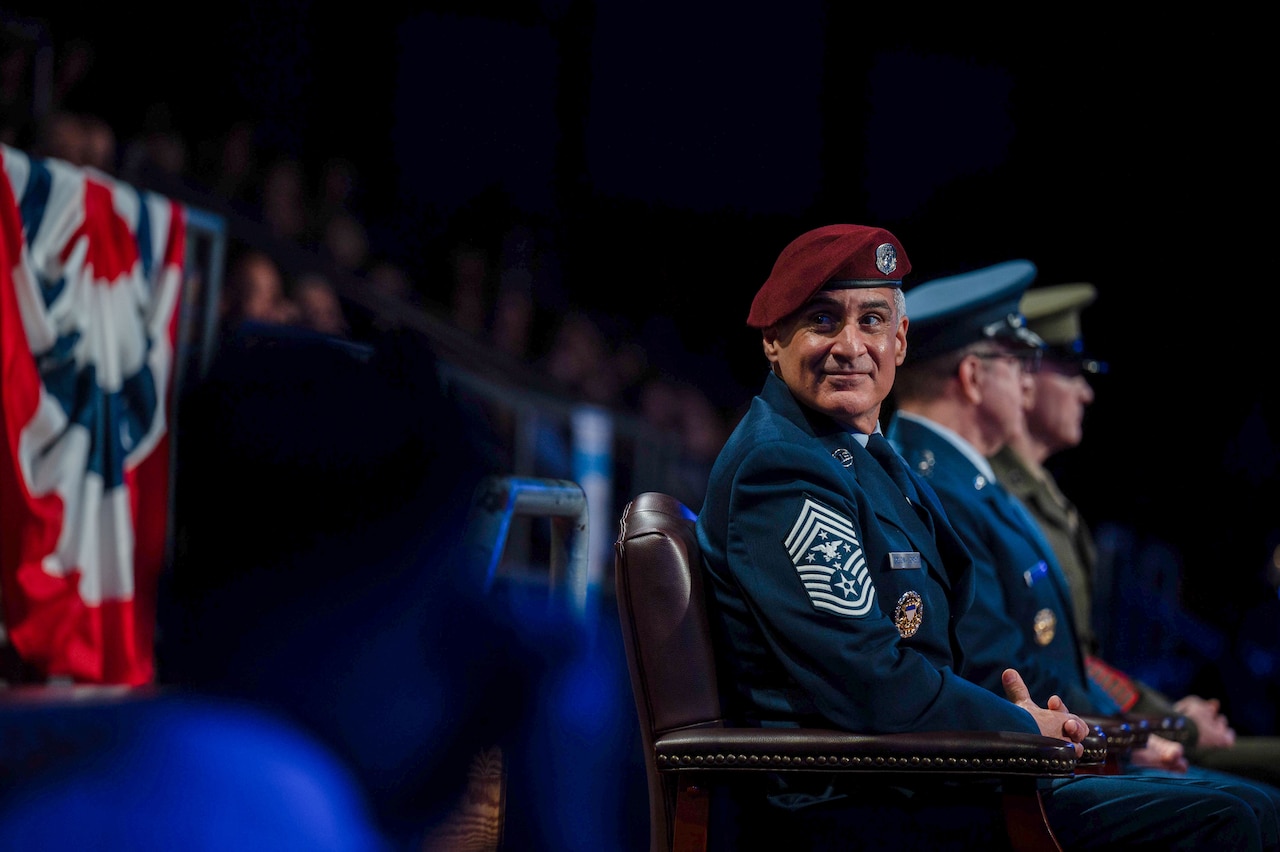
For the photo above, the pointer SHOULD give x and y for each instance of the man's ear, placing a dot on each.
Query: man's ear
(968, 374)
(902, 341)
(769, 339)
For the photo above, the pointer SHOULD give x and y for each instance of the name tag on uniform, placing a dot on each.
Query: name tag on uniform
(1035, 573)
(900, 561)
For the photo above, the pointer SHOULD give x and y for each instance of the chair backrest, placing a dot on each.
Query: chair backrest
(665, 633)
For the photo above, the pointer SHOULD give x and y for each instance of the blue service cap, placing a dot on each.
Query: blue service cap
(950, 313)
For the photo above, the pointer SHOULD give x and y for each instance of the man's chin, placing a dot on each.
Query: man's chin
(847, 406)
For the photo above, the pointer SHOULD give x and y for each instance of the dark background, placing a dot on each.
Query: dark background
(666, 152)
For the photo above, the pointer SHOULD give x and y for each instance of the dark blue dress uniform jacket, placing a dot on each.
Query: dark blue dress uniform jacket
(797, 550)
(1017, 580)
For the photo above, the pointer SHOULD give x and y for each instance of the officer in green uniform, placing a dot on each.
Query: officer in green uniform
(1054, 423)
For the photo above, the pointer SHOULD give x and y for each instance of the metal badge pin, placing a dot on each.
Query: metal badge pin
(843, 456)
(908, 614)
(1044, 625)
(886, 258)
(926, 463)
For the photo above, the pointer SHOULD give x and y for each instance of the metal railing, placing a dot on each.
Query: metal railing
(613, 456)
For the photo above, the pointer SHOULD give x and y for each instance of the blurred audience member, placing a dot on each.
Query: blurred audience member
(229, 165)
(319, 306)
(345, 242)
(158, 155)
(283, 202)
(469, 296)
(60, 135)
(17, 87)
(337, 192)
(99, 145)
(513, 315)
(255, 290)
(72, 69)
(390, 280)
(77, 139)
(685, 411)
(581, 361)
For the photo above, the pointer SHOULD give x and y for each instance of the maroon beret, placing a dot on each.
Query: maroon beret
(833, 256)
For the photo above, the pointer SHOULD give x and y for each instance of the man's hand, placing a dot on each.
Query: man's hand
(1054, 720)
(1215, 731)
(1160, 753)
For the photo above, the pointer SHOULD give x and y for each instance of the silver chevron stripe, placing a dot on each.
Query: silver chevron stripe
(824, 549)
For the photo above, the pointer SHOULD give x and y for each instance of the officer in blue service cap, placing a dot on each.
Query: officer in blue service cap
(949, 313)
(957, 408)
(962, 398)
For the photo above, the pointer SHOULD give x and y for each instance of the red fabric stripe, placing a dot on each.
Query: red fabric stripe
(34, 603)
(48, 622)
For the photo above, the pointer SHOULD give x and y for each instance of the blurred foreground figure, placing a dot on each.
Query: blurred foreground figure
(154, 774)
(321, 572)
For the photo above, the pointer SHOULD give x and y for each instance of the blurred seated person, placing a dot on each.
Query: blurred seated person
(319, 306)
(255, 291)
(321, 500)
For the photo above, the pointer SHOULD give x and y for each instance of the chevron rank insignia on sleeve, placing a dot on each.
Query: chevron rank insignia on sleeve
(824, 548)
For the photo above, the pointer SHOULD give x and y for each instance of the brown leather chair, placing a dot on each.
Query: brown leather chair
(1130, 731)
(1121, 737)
(690, 747)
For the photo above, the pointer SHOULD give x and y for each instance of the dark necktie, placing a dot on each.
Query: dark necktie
(888, 457)
(894, 465)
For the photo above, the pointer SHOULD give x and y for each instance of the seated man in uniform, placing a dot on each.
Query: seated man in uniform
(1054, 423)
(873, 648)
(961, 394)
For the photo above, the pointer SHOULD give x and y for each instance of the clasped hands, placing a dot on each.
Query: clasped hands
(1213, 732)
(1054, 719)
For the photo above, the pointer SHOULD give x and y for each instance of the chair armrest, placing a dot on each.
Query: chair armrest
(1171, 726)
(956, 753)
(1121, 734)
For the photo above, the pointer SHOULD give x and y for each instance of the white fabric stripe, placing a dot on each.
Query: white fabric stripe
(814, 544)
(812, 512)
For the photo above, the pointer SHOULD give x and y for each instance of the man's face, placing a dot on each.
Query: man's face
(840, 352)
(1002, 382)
(1056, 415)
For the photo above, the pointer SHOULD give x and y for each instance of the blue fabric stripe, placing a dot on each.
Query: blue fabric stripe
(32, 207)
(142, 235)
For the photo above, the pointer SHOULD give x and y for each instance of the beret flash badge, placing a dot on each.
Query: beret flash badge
(886, 258)
(908, 614)
(826, 554)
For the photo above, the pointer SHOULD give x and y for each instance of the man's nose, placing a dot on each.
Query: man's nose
(848, 342)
